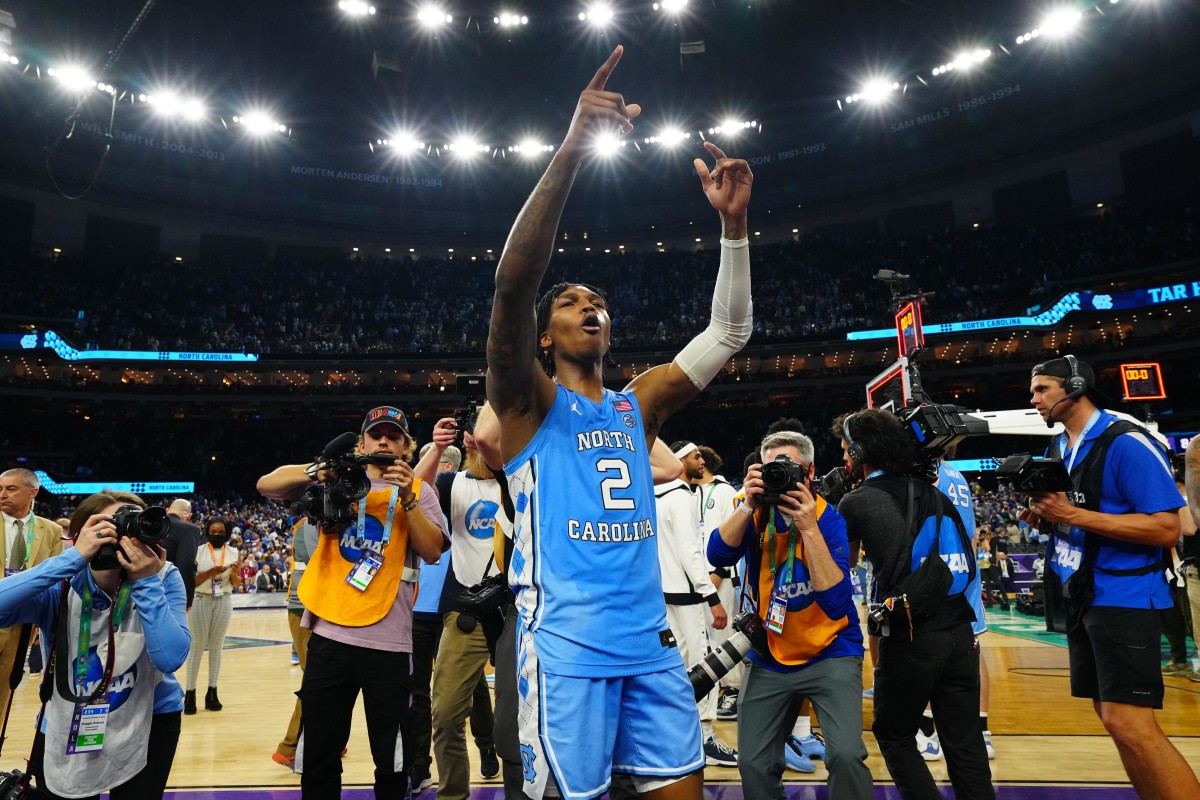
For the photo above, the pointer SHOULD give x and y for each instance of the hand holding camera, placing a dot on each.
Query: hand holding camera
(97, 531)
(139, 560)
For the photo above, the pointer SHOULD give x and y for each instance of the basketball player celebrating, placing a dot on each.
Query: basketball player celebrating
(602, 685)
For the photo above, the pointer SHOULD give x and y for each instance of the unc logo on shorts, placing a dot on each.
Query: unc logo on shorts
(119, 688)
(481, 519)
(527, 759)
(628, 420)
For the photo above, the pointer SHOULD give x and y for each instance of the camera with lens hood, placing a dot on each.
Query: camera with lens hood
(749, 634)
(780, 477)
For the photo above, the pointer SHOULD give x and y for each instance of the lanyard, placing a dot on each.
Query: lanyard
(1062, 439)
(769, 544)
(85, 628)
(212, 556)
(361, 527)
(712, 487)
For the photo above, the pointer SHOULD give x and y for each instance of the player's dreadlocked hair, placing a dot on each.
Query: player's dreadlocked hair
(544, 356)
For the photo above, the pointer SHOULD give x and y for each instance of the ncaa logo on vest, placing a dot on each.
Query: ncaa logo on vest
(480, 519)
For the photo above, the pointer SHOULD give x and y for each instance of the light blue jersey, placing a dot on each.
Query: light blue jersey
(586, 558)
(952, 484)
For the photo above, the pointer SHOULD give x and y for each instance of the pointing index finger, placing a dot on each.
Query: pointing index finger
(606, 69)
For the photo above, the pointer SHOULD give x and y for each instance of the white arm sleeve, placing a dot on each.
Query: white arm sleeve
(732, 317)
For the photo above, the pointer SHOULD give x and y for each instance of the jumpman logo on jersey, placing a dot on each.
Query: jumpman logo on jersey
(575, 408)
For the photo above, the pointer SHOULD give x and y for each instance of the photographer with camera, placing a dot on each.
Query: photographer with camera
(798, 575)
(923, 565)
(471, 502)
(1106, 566)
(377, 523)
(113, 616)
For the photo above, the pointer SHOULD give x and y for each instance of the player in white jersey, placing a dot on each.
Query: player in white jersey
(601, 688)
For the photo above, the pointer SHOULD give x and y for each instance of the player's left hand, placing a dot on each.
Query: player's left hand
(727, 184)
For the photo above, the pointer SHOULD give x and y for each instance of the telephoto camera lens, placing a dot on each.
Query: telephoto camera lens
(715, 665)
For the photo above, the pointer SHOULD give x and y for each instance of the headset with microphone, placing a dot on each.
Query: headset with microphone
(1076, 387)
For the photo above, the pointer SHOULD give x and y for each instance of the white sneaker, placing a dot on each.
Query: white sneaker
(987, 743)
(930, 747)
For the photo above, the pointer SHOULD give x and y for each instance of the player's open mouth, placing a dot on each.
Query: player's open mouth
(591, 324)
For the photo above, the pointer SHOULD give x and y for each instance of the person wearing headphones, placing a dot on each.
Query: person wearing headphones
(1105, 565)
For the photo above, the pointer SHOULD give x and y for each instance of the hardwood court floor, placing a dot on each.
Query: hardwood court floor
(1041, 734)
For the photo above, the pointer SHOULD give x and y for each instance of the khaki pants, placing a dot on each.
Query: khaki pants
(460, 662)
(300, 637)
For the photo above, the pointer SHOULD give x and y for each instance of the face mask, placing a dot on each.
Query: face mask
(218, 541)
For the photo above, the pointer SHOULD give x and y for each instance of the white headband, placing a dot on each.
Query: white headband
(683, 451)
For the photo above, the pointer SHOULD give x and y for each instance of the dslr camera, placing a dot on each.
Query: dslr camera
(780, 477)
(749, 634)
(330, 505)
(472, 387)
(834, 485)
(149, 526)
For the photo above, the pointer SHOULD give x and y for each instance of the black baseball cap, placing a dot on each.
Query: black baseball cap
(382, 414)
(1061, 368)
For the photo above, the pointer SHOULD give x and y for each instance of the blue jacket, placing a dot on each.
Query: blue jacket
(820, 624)
(35, 594)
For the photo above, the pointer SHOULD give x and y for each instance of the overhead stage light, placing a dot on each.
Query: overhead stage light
(258, 123)
(599, 14)
(670, 6)
(510, 20)
(1060, 22)
(433, 17)
(874, 91)
(72, 77)
(356, 8)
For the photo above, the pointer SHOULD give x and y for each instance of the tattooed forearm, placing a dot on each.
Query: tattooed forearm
(532, 236)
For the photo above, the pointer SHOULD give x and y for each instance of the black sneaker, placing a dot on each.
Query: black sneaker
(727, 708)
(421, 780)
(489, 765)
(719, 754)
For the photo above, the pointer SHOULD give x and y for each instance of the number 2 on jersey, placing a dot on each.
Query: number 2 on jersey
(620, 481)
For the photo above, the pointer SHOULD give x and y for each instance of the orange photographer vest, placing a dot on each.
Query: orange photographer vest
(806, 631)
(324, 590)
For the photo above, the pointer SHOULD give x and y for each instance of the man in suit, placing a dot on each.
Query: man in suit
(27, 541)
(181, 544)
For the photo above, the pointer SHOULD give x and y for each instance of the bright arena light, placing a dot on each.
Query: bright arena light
(356, 8)
(733, 127)
(670, 6)
(5, 58)
(403, 142)
(531, 148)
(258, 123)
(510, 20)
(874, 91)
(72, 77)
(467, 147)
(964, 61)
(433, 17)
(598, 14)
(1060, 22)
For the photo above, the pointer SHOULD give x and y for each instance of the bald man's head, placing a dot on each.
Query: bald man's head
(181, 508)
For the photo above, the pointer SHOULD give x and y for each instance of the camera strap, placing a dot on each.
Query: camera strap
(769, 545)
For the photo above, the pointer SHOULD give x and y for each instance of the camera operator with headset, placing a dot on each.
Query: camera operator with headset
(798, 575)
(358, 593)
(113, 616)
(927, 651)
(1105, 564)
(471, 502)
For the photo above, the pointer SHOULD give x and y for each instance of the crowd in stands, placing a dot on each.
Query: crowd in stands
(815, 287)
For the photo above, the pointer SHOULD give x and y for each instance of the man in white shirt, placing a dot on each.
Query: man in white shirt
(28, 540)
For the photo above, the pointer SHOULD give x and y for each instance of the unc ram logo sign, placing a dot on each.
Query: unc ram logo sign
(481, 519)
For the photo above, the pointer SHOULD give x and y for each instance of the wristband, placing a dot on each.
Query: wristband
(410, 505)
(745, 509)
